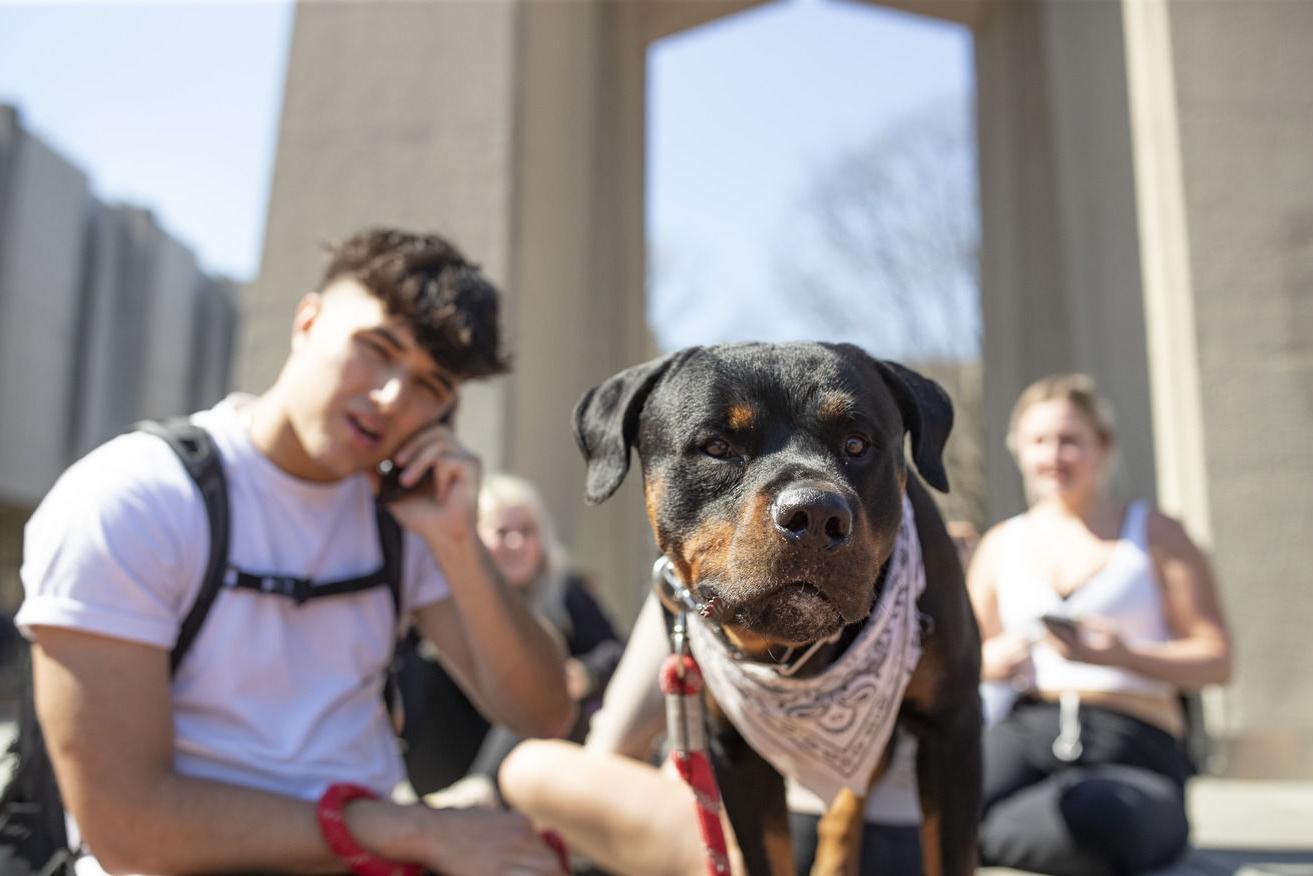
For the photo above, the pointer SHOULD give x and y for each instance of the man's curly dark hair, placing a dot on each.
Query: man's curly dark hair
(424, 279)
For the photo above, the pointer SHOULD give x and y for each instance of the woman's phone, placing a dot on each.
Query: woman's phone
(1060, 624)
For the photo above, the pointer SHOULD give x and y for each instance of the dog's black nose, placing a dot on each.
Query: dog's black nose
(813, 515)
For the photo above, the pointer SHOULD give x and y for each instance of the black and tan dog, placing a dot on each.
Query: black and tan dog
(774, 477)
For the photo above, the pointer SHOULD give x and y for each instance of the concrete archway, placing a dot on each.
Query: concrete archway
(1109, 179)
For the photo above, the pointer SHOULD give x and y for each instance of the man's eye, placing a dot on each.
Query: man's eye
(856, 445)
(374, 347)
(431, 391)
(717, 448)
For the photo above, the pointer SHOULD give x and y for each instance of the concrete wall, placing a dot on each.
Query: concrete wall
(1246, 130)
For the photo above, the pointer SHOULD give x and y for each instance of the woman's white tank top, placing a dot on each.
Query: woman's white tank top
(1124, 592)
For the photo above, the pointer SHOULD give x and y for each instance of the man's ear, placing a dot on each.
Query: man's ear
(606, 422)
(927, 414)
(307, 311)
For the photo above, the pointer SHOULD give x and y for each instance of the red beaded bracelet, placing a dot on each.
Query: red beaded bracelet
(333, 826)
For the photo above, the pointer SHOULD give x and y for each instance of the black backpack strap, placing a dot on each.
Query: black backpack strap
(196, 450)
(299, 590)
(391, 539)
(200, 457)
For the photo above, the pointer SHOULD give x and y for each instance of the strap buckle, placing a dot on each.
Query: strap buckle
(296, 589)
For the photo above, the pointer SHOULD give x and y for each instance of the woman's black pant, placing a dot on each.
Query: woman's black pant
(1119, 808)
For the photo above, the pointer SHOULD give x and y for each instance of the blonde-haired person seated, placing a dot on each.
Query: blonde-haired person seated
(452, 753)
(1100, 614)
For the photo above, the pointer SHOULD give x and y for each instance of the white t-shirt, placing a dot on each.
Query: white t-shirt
(271, 695)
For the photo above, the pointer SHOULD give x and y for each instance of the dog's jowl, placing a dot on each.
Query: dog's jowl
(831, 600)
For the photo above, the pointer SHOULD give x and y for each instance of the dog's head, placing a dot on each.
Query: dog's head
(773, 473)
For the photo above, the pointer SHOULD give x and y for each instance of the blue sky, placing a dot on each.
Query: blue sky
(742, 114)
(174, 106)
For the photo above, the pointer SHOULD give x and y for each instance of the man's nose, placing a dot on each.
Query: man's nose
(388, 393)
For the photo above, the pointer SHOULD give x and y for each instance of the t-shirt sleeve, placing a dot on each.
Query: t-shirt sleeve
(118, 545)
(424, 581)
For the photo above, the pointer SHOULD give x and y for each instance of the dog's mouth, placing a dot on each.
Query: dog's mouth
(794, 613)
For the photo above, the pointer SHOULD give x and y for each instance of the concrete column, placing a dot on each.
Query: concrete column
(1245, 117)
(1060, 265)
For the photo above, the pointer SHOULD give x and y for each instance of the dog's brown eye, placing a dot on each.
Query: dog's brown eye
(717, 448)
(856, 445)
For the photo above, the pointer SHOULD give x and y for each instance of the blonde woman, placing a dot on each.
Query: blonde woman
(517, 530)
(1100, 613)
(449, 744)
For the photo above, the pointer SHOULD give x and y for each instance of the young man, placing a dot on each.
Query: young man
(218, 768)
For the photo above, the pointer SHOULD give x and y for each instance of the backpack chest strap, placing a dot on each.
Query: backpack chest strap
(300, 590)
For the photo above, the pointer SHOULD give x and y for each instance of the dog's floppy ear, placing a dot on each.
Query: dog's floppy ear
(606, 423)
(927, 414)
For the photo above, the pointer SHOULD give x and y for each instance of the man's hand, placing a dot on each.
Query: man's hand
(444, 509)
(475, 842)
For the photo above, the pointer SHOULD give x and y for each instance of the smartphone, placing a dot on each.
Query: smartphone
(1060, 624)
(390, 488)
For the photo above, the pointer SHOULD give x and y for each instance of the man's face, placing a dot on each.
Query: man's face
(358, 385)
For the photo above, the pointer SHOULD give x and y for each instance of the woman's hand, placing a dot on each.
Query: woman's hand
(1006, 657)
(1092, 640)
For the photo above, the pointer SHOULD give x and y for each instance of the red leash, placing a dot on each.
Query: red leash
(681, 682)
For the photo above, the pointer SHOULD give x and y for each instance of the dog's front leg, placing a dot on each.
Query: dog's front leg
(948, 775)
(753, 794)
(839, 836)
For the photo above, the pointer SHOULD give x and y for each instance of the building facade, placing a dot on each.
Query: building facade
(105, 319)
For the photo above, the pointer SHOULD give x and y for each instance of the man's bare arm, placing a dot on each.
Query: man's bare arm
(487, 636)
(497, 648)
(105, 709)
